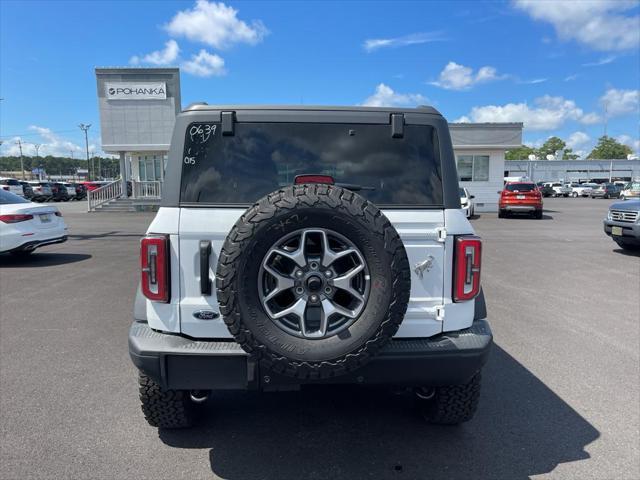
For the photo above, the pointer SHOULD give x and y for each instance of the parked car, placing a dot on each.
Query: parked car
(622, 224)
(559, 189)
(81, 191)
(91, 186)
(630, 190)
(313, 281)
(27, 190)
(520, 197)
(466, 200)
(71, 189)
(60, 193)
(11, 185)
(605, 190)
(579, 189)
(41, 191)
(25, 226)
(546, 190)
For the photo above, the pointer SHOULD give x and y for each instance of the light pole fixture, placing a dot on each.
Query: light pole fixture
(85, 129)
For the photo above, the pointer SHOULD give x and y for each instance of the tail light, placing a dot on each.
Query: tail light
(15, 218)
(313, 179)
(58, 213)
(5, 188)
(467, 264)
(154, 265)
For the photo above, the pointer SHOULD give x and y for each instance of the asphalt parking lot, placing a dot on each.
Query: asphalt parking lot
(561, 396)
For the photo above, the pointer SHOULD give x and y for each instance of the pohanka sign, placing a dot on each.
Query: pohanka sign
(135, 91)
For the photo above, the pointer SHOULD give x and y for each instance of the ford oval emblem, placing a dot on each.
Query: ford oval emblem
(206, 315)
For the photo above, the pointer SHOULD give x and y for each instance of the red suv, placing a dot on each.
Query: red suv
(520, 197)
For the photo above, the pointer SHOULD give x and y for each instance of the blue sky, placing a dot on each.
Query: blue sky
(552, 65)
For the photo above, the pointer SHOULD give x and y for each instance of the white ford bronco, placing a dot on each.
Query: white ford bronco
(306, 245)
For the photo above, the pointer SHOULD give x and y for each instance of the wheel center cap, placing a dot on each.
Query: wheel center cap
(314, 283)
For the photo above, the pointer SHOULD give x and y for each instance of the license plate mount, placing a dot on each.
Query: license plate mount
(617, 231)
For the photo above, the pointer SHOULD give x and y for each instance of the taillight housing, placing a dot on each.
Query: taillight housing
(15, 218)
(154, 268)
(58, 213)
(467, 265)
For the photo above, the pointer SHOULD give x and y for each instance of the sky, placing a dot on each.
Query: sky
(569, 69)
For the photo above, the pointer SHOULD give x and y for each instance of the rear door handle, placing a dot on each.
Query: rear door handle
(205, 255)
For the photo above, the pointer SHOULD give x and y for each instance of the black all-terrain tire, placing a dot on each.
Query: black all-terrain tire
(453, 404)
(165, 408)
(289, 210)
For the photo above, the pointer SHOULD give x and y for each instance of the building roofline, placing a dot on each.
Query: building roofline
(487, 124)
(130, 69)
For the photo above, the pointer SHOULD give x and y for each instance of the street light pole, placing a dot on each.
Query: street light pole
(19, 142)
(85, 129)
(37, 147)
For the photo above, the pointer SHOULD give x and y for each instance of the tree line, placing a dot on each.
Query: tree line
(607, 149)
(100, 166)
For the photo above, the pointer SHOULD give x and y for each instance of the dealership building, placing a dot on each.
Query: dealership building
(138, 107)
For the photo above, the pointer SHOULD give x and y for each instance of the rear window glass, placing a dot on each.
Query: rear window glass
(262, 157)
(8, 198)
(10, 181)
(520, 187)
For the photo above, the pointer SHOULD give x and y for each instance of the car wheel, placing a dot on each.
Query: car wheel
(165, 408)
(606, 196)
(332, 277)
(502, 214)
(450, 405)
(538, 214)
(565, 195)
(574, 194)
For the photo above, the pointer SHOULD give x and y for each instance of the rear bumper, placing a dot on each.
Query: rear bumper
(32, 245)
(520, 207)
(177, 362)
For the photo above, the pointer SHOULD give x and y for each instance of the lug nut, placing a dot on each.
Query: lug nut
(299, 273)
(299, 290)
(327, 290)
(314, 265)
(313, 298)
(327, 273)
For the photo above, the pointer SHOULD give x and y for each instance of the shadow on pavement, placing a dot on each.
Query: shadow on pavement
(521, 429)
(41, 259)
(104, 235)
(628, 253)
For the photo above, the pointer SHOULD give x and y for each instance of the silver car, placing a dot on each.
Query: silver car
(622, 224)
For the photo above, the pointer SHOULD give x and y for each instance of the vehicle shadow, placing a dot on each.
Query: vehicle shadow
(41, 259)
(628, 253)
(111, 234)
(522, 428)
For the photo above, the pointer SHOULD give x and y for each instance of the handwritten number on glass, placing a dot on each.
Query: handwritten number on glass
(202, 132)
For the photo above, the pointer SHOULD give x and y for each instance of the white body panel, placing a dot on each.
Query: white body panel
(430, 309)
(45, 225)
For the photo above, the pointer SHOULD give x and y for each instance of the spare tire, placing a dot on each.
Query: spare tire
(312, 281)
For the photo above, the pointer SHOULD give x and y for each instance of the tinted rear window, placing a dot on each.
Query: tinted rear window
(262, 157)
(520, 187)
(10, 181)
(8, 198)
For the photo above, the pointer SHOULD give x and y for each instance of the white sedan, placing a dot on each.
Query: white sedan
(25, 226)
(467, 203)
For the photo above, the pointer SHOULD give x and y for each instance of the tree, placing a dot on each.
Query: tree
(552, 145)
(520, 153)
(608, 149)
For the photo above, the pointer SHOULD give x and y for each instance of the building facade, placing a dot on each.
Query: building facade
(138, 107)
(574, 170)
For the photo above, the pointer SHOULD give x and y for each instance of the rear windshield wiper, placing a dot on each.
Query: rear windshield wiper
(354, 187)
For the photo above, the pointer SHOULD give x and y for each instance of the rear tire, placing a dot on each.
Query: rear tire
(502, 214)
(538, 214)
(165, 408)
(453, 404)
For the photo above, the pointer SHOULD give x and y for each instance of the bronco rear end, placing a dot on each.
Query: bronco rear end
(301, 245)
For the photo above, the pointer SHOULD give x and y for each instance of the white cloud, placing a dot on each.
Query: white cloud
(384, 96)
(570, 78)
(534, 81)
(215, 24)
(413, 39)
(160, 57)
(634, 143)
(548, 113)
(599, 24)
(620, 102)
(205, 64)
(578, 140)
(602, 61)
(50, 144)
(458, 77)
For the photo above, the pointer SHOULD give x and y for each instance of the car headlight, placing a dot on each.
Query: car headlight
(609, 215)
